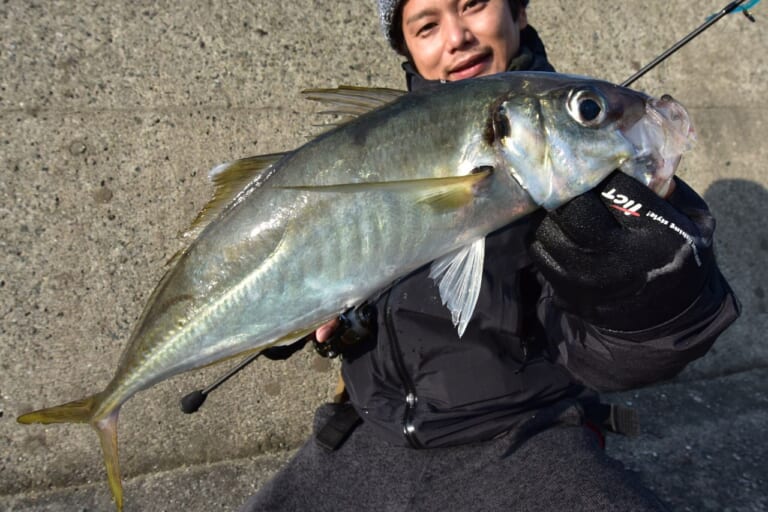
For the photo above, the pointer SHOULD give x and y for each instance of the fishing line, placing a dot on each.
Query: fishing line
(732, 7)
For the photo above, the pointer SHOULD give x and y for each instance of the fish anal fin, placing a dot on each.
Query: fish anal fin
(459, 276)
(284, 340)
(296, 335)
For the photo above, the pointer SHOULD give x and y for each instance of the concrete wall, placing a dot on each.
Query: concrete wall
(112, 112)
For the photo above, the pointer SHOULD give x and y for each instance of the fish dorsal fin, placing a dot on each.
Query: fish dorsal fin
(229, 179)
(458, 276)
(350, 102)
(442, 193)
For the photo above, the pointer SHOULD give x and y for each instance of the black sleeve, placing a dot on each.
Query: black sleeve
(612, 360)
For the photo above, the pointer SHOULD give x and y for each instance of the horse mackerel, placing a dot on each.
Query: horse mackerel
(415, 178)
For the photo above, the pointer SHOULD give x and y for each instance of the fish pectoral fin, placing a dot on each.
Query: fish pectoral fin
(443, 193)
(459, 275)
(453, 193)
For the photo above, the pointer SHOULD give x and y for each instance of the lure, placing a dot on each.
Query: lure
(744, 9)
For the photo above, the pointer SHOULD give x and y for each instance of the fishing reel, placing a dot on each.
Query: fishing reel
(355, 326)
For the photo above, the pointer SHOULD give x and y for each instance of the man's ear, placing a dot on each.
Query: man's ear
(522, 17)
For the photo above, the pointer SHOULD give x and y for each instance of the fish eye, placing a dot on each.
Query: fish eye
(587, 107)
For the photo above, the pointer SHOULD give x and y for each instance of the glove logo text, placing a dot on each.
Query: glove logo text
(622, 203)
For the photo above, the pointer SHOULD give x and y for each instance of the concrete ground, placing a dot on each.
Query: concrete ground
(112, 112)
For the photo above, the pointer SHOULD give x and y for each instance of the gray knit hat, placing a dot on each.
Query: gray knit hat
(389, 10)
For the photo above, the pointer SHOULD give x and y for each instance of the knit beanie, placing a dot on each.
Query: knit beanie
(387, 10)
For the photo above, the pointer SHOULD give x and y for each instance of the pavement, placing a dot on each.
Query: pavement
(112, 112)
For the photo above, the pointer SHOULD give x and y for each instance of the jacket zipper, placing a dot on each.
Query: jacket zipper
(411, 399)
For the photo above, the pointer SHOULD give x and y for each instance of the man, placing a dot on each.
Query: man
(581, 299)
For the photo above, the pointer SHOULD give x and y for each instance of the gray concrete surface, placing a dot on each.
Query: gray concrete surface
(112, 112)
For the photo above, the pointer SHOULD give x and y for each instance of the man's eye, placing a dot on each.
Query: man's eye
(424, 29)
(474, 3)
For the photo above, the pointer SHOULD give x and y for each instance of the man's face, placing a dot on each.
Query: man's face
(456, 39)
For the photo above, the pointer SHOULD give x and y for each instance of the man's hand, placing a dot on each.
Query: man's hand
(338, 336)
(623, 258)
(324, 332)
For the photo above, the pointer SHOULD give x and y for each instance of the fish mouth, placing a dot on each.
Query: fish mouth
(659, 137)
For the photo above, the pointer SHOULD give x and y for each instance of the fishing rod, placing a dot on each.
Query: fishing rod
(354, 327)
(194, 400)
(350, 321)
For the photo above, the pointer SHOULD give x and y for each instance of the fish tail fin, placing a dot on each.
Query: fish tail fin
(79, 411)
(107, 430)
(84, 411)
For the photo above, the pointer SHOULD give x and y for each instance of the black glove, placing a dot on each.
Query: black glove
(622, 258)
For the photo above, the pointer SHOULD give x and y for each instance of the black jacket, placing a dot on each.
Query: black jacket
(416, 382)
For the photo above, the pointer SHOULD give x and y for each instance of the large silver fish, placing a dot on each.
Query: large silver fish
(291, 240)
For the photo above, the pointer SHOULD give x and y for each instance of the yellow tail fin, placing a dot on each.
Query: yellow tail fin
(79, 411)
(82, 411)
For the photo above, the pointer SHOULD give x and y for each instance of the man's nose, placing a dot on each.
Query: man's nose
(459, 33)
